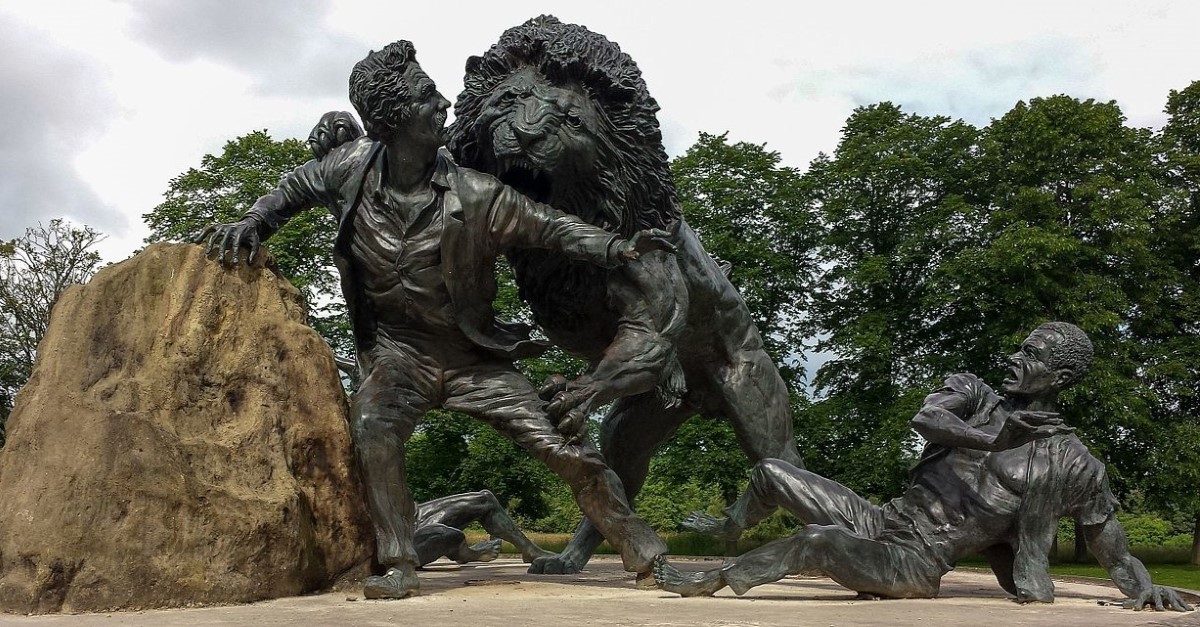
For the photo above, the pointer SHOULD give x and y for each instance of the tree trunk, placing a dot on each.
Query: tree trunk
(1196, 542)
(1080, 543)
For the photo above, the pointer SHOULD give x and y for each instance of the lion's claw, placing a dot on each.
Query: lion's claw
(554, 565)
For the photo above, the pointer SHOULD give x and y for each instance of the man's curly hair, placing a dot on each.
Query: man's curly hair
(1072, 351)
(378, 90)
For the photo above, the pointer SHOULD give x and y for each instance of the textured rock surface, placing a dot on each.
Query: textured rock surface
(182, 441)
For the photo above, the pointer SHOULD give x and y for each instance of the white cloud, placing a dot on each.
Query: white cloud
(119, 97)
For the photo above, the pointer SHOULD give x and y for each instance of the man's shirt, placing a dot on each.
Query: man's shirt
(399, 262)
(481, 218)
(962, 500)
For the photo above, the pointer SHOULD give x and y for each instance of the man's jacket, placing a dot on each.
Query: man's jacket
(481, 218)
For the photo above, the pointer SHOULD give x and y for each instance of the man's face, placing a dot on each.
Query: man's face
(1031, 374)
(425, 119)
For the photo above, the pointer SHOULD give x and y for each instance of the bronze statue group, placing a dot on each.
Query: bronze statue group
(556, 161)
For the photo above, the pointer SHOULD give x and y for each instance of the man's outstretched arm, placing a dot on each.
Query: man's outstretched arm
(943, 419)
(515, 221)
(1107, 540)
(650, 298)
(317, 182)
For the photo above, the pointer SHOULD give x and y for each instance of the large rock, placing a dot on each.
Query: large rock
(182, 441)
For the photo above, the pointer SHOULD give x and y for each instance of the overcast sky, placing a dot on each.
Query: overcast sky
(106, 101)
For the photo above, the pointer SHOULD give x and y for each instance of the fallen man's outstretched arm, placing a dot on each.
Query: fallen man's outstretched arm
(1107, 541)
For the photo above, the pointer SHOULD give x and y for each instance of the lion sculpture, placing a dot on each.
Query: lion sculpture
(561, 114)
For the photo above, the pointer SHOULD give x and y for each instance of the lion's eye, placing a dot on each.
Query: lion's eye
(501, 98)
(573, 119)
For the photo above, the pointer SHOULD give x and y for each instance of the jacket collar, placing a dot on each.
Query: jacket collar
(441, 173)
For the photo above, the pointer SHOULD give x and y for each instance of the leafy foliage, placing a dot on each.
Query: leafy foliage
(704, 452)
(34, 271)
(663, 504)
(1068, 192)
(1168, 325)
(892, 200)
(751, 213)
(452, 453)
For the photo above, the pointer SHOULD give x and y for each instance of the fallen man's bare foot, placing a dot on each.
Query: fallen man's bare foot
(671, 579)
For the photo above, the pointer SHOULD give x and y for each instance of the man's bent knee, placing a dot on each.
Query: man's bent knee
(771, 472)
(369, 425)
(488, 498)
(575, 461)
(484, 500)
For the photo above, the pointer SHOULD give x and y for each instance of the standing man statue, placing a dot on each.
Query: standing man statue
(995, 478)
(416, 247)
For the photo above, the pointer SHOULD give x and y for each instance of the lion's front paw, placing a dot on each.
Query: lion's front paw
(554, 565)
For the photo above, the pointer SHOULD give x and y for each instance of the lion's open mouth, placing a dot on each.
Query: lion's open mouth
(520, 173)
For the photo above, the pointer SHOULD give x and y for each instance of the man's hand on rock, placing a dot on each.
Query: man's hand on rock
(229, 239)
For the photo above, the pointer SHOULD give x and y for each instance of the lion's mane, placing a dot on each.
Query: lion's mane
(636, 178)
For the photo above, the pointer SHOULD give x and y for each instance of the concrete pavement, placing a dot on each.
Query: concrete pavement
(501, 594)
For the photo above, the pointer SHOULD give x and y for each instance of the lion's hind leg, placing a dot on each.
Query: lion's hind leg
(630, 433)
(756, 401)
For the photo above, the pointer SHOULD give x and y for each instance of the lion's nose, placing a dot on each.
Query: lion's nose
(524, 135)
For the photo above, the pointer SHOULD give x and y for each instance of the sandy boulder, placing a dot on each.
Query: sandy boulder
(182, 441)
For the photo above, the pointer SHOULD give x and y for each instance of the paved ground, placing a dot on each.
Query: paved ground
(501, 593)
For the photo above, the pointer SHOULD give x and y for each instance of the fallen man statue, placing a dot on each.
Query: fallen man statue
(440, 523)
(996, 476)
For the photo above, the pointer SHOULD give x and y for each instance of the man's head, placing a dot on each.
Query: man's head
(1054, 357)
(394, 96)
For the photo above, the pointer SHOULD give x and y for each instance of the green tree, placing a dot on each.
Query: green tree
(750, 212)
(34, 270)
(453, 453)
(893, 201)
(224, 187)
(703, 452)
(1067, 192)
(1168, 327)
